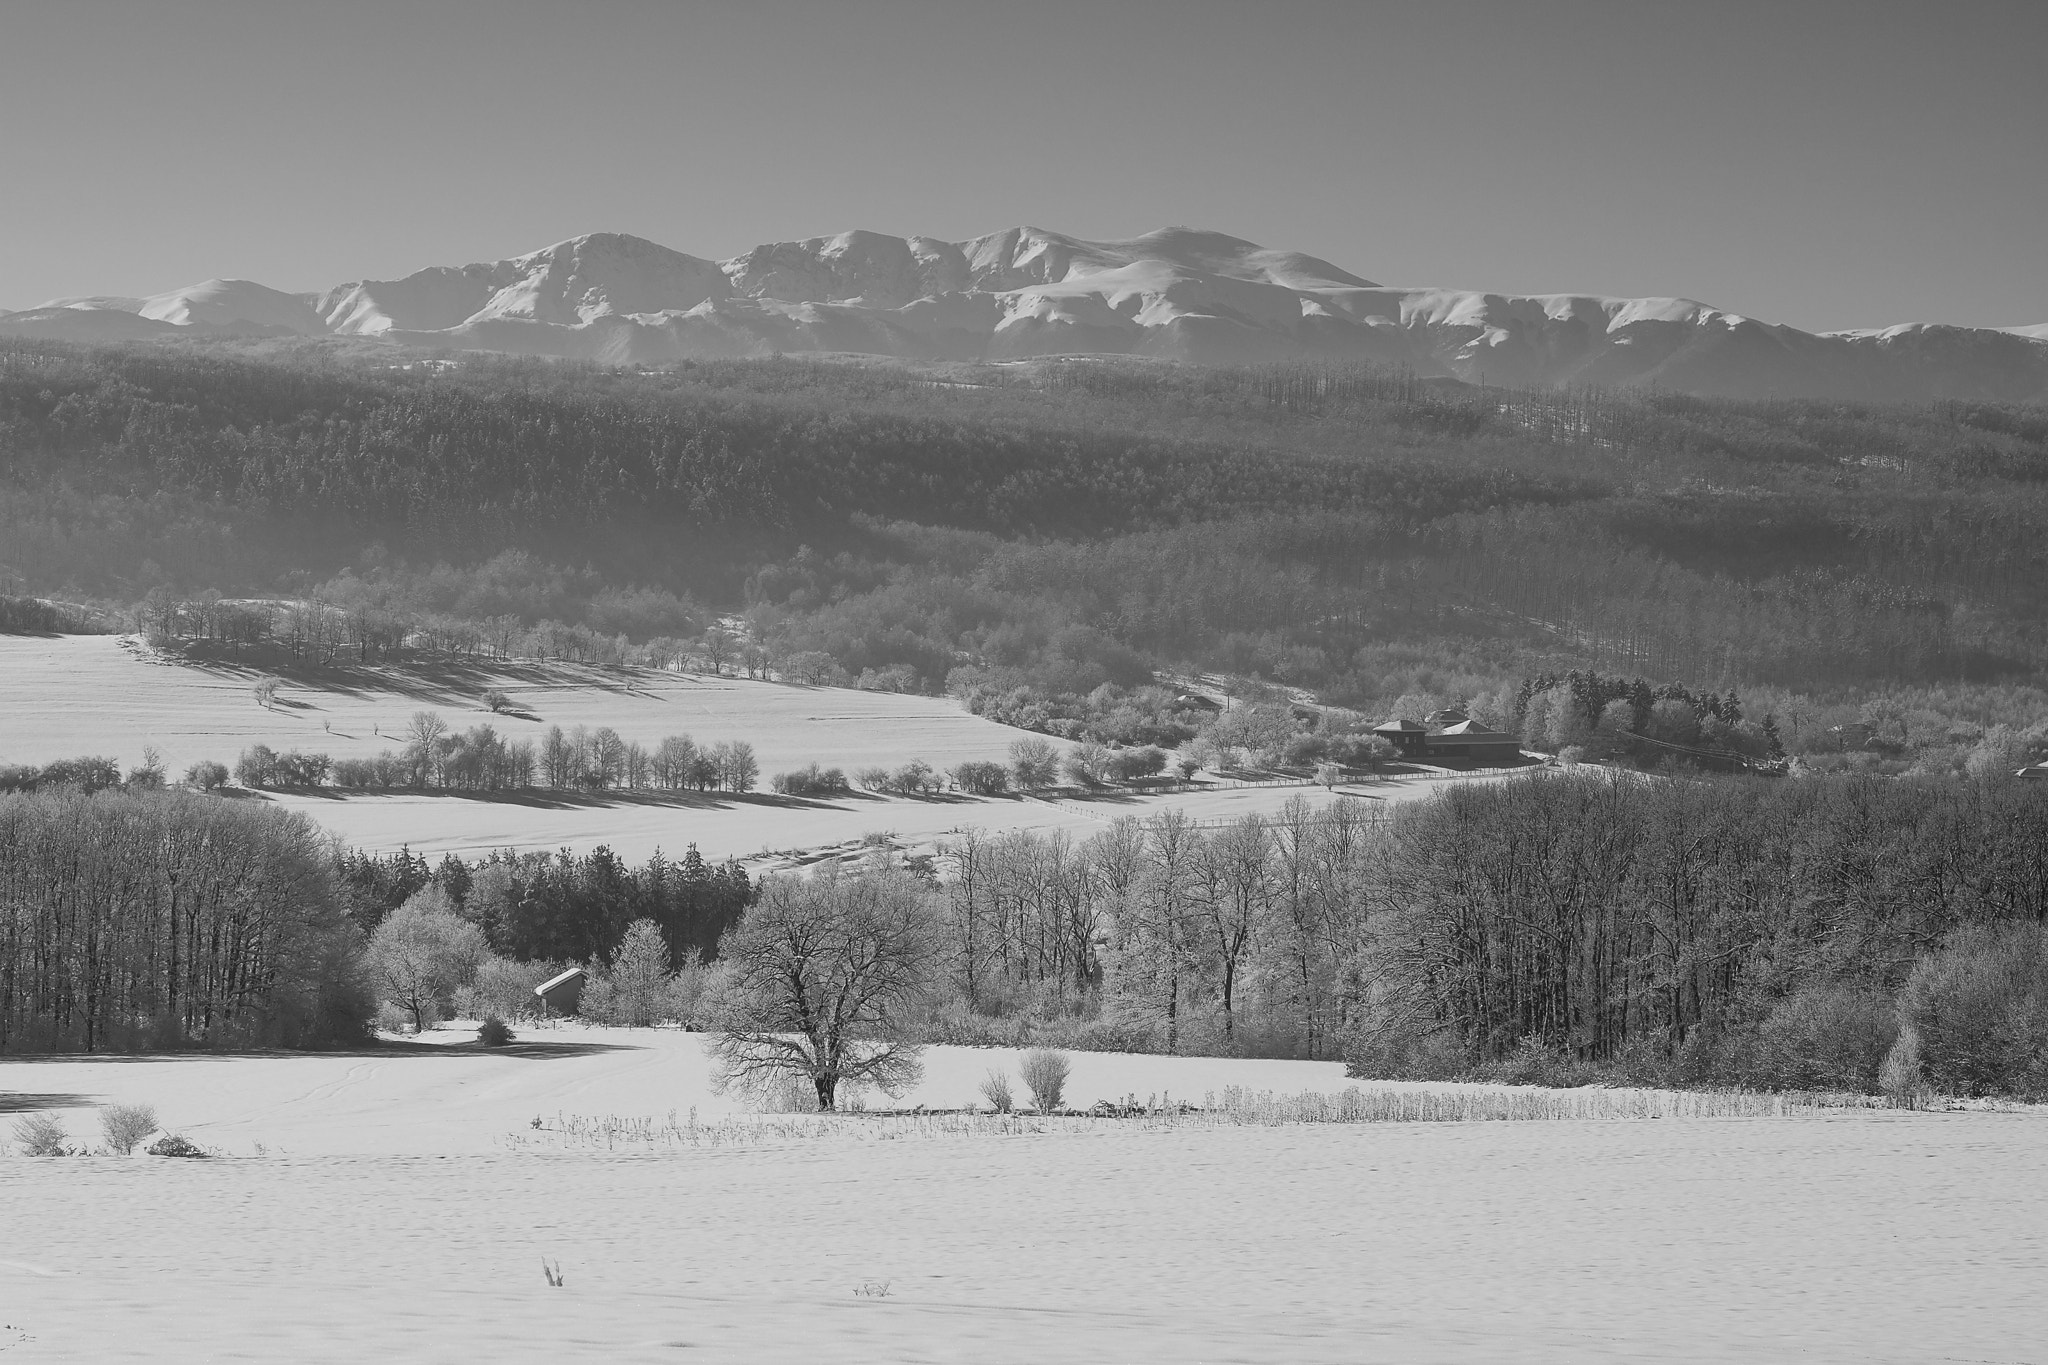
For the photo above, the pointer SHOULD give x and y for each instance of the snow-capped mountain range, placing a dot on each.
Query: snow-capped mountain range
(1176, 294)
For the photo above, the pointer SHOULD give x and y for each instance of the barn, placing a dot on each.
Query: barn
(1407, 736)
(1468, 739)
(562, 994)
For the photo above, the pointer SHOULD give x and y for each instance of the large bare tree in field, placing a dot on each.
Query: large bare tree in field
(818, 980)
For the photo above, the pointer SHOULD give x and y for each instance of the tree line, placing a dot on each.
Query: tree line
(146, 918)
(560, 907)
(1726, 930)
(1812, 932)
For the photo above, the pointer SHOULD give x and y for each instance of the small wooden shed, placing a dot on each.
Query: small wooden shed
(562, 994)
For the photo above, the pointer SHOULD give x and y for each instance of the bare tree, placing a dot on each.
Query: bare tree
(1237, 868)
(607, 756)
(557, 758)
(721, 647)
(421, 734)
(817, 981)
(672, 761)
(1035, 761)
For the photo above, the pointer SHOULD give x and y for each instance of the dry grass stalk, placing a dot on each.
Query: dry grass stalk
(1234, 1107)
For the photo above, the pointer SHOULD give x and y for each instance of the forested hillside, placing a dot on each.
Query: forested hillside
(1062, 525)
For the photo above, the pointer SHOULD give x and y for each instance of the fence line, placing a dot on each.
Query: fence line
(1372, 815)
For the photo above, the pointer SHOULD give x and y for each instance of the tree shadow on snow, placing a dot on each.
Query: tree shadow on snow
(524, 1049)
(553, 799)
(533, 1050)
(20, 1103)
(436, 680)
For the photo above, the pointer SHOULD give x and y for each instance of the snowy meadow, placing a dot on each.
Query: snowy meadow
(430, 1199)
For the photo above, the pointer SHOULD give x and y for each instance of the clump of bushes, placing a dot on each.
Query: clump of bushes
(916, 778)
(261, 766)
(811, 781)
(1128, 765)
(206, 775)
(1825, 1037)
(982, 779)
(1978, 1011)
(88, 774)
(504, 988)
(494, 1032)
(170, 1144)
(388, 769)
(1532, 1063)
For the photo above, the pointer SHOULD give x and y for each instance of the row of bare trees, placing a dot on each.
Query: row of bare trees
(1187, 933)
(131, 918)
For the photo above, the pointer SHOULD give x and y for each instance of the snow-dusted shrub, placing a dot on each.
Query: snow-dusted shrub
(995, 1088)
(1900, 1077)
(170, 1144)
(127, 1124)
(1980, 1011)
(505, 988)
(41, 1135)
(1826, 1037)
(1045, 1076)
(206, 775)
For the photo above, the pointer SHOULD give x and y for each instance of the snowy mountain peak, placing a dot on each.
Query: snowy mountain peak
(1177, 293)
(237, 306)
(867, 267)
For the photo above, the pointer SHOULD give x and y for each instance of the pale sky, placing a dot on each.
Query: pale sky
(1825, 163)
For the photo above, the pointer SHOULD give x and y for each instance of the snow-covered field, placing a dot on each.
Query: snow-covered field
(64, 696)
(61, 696)
(757, 833)
(392, 1216)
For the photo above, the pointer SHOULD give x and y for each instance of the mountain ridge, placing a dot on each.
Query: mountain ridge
(1178, 293)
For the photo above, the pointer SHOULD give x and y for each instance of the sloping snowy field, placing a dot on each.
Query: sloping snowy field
(391, 1221)
(64, 696)
(724, 828)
